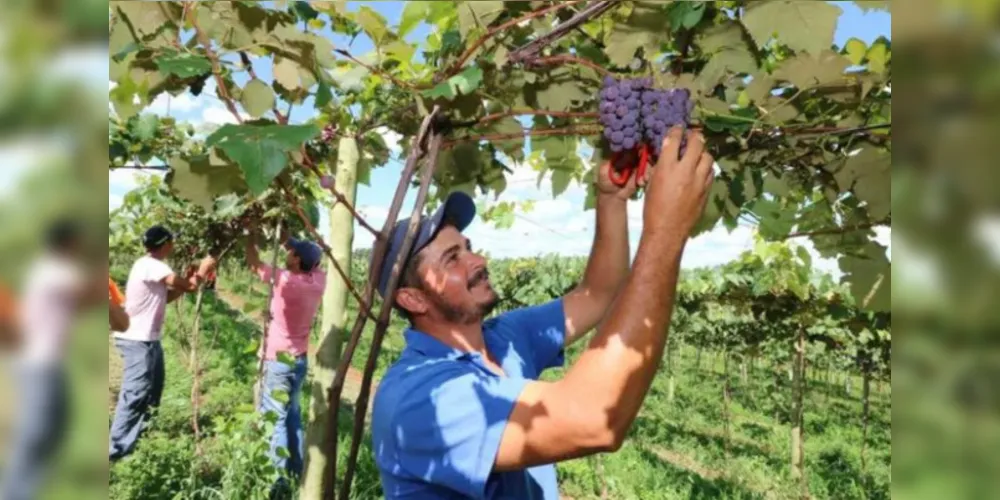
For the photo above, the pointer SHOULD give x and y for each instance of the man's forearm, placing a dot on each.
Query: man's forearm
(618, 367)
(607, 267)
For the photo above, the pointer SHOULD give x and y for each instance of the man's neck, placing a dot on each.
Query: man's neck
(463, 337)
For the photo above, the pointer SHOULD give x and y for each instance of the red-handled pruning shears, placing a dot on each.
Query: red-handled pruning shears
(620, 174)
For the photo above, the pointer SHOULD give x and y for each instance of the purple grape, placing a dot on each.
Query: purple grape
(628, 143)
(617, 137)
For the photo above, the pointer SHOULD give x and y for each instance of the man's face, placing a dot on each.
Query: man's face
(292, 261)
(454, 280)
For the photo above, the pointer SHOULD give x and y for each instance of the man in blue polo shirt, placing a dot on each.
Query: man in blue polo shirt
(462, 413)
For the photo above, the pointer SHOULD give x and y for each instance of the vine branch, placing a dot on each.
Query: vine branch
(564, 59)
(362, 304)
(369, 67)
(206, 43)
(530, 50)
(457, 66)
(311, 166)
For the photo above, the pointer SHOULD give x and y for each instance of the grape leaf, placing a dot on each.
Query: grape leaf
(183, 65)
(685, 14)
(730, 53)
(200, 180)
(286, 72)
(413, 14)
(560, 181)
(870, 277)
(323, 94)
(145, 18)
(807, 72)
(856, 50)
(260, 150)
(463, 83)
(803, 26)
(257, 98)
(877, 58)
(146, 127)
(869, 174)
(477, 14)
(512, 148)
(373, 23)
(644, 29)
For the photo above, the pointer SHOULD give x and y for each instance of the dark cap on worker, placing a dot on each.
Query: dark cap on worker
(309, 253)
(458, 210)
(156, 236)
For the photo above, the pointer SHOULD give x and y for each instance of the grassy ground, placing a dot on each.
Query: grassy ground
(677, 448)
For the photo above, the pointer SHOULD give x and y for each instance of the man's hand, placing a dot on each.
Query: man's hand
(206, 266)
(678, 186)
(608, 188)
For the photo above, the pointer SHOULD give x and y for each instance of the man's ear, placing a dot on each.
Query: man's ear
(412, 300)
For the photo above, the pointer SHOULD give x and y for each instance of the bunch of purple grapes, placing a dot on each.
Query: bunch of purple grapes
(621, 112)
(662, 110)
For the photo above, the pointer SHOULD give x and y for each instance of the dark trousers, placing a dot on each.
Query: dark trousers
(42, 417)
(142, 388)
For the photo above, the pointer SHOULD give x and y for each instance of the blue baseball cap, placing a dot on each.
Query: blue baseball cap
(308, 252)
(458, 210)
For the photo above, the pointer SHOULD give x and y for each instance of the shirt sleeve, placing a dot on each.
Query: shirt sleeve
(264, 272)
(447, 430)
(541, 330)
(157, 271)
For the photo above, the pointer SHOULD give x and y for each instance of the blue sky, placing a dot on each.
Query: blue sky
(555, 225)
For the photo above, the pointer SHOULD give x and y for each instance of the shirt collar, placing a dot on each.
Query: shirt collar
(431, 347)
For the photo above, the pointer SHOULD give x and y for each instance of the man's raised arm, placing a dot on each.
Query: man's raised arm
(593, 407)
(608, 265)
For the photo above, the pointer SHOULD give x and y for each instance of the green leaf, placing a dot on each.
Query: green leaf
(146, 18)
(373, 23)
(803, 26)
(257, 98)
(201, 180)
(760, 88)
(413, 14)
(261, 150)
(729, 54)
(869, 174)
(146, 127)
(807, 72)
(463, 83)
(183, 65)
(304, 11)
(856, 51)
(643, 29)
(560, 181)
(804, 256)
(477, 14)
(323, 94)
(286, 73)
(685, 14)
(870, 277)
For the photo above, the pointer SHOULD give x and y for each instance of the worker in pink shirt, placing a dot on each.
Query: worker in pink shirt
(298, 291)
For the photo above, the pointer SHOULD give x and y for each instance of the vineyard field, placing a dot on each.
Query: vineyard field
(678, 447)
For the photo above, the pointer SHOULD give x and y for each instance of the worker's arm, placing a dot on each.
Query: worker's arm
(118, 318)
(608, 265)
(592, 408)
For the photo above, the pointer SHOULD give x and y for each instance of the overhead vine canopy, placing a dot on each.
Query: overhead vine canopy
(800, 128)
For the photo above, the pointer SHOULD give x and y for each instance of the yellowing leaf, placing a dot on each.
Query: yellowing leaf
(877, 58)
(743, 100)
(413, 14)
(477, 14)
(373, 23)
(856, 50)
(803, 26)
(286, 72)
(200, 180)
(257, 98)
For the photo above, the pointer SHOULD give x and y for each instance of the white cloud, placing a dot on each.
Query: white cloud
(217, 115)
(392, 139)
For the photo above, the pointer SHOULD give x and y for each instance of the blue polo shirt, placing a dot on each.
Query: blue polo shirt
(439, 413)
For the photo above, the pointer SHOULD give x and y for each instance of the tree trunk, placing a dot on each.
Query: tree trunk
(865, 412)
(195, 374)
(324, 364)
(798, 423)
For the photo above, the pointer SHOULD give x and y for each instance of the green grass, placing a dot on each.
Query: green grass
(676, 449)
